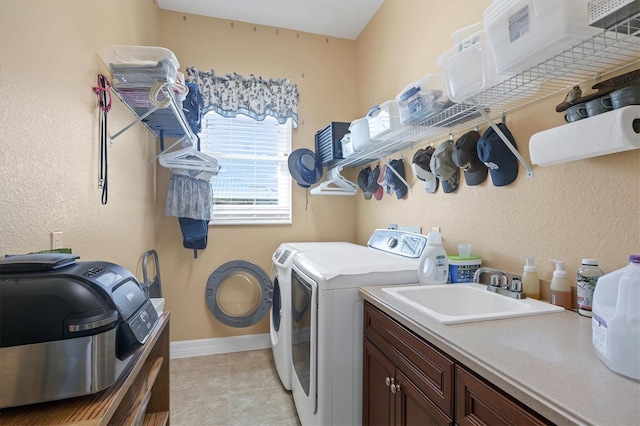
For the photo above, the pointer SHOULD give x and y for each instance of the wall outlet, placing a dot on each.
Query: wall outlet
(56, 240)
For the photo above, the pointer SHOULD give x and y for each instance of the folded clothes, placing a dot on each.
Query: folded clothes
(127, 75)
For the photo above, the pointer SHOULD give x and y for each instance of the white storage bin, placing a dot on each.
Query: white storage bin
(422, 99)
(383, 119)
(524, 33)
(359, 130)
(471, 70)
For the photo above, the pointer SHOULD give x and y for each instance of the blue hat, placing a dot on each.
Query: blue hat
(492, 151)
(392, 180)
(304, 168)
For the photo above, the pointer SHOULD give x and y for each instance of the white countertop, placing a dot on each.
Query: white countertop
(545, 361)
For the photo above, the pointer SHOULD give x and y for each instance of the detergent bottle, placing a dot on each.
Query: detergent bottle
(433, 267)
(615, 322)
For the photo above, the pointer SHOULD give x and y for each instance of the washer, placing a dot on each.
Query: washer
(327, 320)
(280, 313)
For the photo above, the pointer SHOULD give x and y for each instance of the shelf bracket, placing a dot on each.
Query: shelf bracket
(506, 141)
(390, 167)
(173, 105)
(136, 121)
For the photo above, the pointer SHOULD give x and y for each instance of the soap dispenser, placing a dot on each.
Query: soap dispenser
(560, 287)
(530, 279)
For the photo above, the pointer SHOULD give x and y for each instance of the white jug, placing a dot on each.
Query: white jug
(616, 319)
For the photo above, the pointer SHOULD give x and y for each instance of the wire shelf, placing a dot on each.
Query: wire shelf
(610, 50)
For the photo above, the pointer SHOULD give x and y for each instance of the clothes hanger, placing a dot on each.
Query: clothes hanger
(336, 184)
(189, 158)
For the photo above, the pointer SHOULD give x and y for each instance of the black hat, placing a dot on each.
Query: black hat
(422, 169)
(465, 156)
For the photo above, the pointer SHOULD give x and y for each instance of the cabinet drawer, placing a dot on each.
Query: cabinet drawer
(480, 403)
(429, 369)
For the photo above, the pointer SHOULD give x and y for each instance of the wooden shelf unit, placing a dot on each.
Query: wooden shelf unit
(144, 384)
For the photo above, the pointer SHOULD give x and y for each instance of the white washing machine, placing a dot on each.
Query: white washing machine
(280, 313)
(327, 320)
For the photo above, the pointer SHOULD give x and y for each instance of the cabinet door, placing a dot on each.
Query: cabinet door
(413, 407)
(479, 403)
(427, 368)
(377, 401)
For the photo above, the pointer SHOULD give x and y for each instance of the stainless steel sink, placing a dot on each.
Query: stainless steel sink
(458, 303)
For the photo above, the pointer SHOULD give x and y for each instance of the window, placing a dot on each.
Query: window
(253, 185)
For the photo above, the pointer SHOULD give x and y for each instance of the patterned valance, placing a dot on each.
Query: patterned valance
(253, 96)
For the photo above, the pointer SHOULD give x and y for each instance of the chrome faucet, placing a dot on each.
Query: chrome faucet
(499, 283)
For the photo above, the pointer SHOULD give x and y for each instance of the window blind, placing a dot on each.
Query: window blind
(253, 185)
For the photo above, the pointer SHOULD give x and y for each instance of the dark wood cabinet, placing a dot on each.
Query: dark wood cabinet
(140, 396)
(377, 398)
(407, 381)
(480, 403)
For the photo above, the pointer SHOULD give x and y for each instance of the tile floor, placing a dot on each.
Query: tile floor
(240, 388)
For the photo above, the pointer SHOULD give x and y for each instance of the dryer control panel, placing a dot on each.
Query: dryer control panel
(407, 244)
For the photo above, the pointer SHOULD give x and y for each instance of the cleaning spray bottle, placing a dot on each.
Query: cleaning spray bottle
(560, 287)
(530, 279)
(433, 267)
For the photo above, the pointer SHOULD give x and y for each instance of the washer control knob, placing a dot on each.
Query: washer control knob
(392, 242)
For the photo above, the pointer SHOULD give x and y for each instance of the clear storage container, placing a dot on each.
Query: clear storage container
(141, 66)
(422, 99)
(470, 69)
(462, 37)
(383, 119)
(359, 130)
(524, 33)
(347, 146)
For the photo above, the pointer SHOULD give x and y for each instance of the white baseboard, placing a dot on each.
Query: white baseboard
(219, 345)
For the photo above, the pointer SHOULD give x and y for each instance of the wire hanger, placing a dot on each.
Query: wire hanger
(190, 159)
(336, 184)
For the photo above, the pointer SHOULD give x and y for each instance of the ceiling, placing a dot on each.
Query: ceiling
(335, 18)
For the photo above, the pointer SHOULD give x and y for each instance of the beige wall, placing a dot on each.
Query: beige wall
(588, 208)
(49, 142)
(324, 70)
(49, 148)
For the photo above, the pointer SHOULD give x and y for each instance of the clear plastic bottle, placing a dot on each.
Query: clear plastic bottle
(587, 279)
(433, 267)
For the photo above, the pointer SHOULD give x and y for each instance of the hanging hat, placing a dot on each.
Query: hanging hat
(492, 151)
(363, 181)
(444, 168)
(393, 181)
(304, 168)
(465, 156)
(372, 184)
(422, 169)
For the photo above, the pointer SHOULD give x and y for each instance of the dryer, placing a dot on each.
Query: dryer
(327, 320)
(280, 313)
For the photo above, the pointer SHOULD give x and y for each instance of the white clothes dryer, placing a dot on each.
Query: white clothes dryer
(327, 320)
(280, 313)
